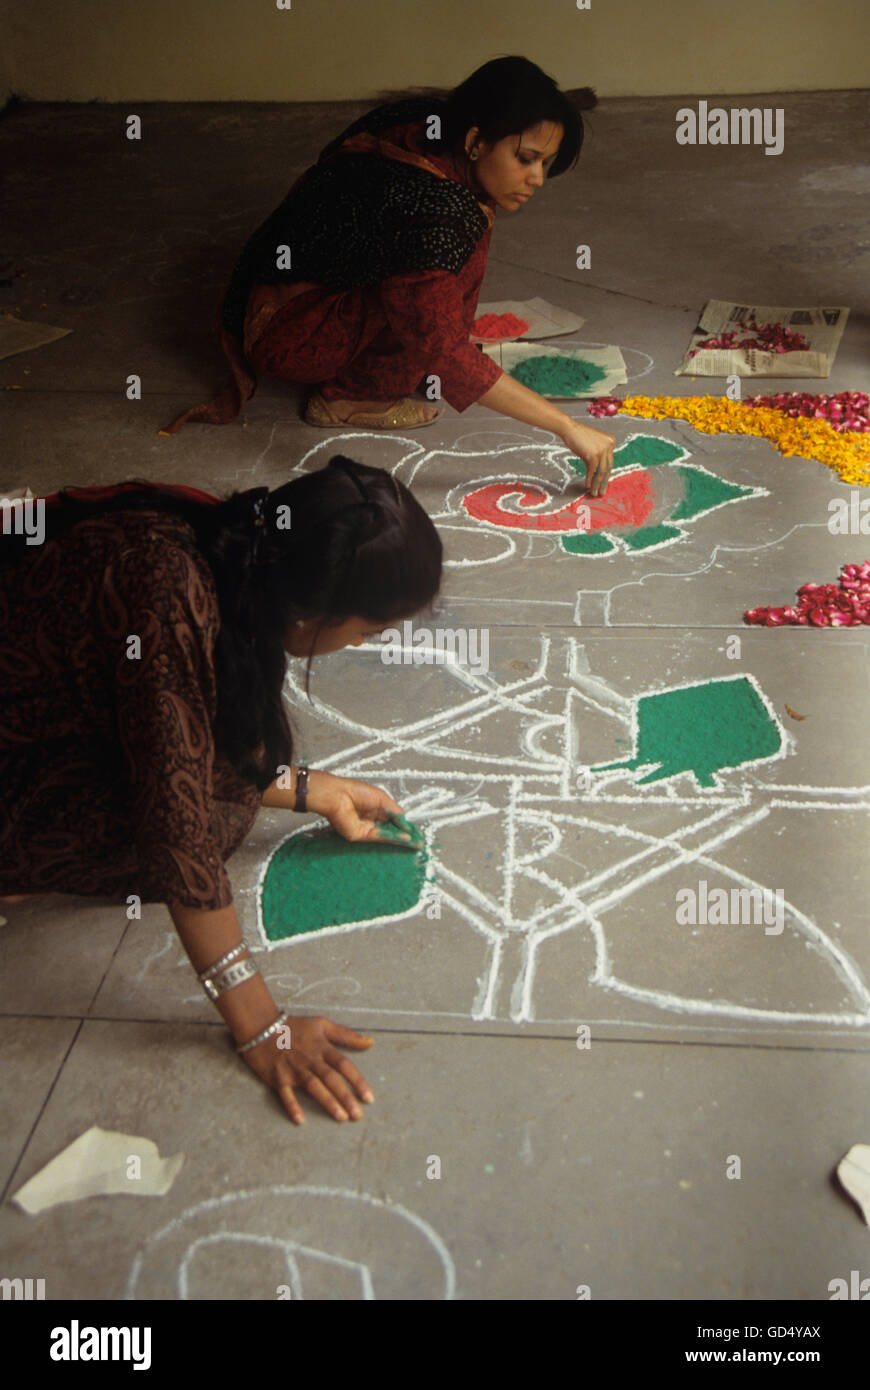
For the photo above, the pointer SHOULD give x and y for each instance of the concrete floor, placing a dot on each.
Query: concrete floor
(557, 882)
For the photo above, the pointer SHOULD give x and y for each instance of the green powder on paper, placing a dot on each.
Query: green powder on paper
(317, 879)
(557, 376)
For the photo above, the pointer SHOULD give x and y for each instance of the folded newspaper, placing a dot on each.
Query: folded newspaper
(821, 328)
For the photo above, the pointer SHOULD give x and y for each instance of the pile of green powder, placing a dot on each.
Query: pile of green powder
(557, 376)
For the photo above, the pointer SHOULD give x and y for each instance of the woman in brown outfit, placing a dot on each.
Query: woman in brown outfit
(142, 658)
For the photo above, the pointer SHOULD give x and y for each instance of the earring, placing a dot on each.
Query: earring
(473, 154)
(300, 622)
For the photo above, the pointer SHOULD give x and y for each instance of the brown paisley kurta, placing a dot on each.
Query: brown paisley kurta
(110, 783)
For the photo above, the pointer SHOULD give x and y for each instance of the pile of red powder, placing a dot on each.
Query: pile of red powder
(499, 326)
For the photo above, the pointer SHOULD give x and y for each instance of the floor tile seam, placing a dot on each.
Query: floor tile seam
(748, 1043)
(38, 1117)
(108, 966)
(587, 285)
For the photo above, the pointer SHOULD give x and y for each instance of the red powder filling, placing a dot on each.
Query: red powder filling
(499, 326)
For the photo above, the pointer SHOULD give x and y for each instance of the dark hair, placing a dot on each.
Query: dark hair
(508, 96)
(345, 541)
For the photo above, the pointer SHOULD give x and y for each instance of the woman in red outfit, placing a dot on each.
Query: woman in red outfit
(142, 660)
(365, 280)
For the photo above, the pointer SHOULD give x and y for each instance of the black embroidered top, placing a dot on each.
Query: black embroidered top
(358, 218)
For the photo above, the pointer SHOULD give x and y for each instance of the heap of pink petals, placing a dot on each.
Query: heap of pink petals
(770, 337)
(604, 405)
(847, 410)
(846, 604)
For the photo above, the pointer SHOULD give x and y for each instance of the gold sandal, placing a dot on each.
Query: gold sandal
(405, 414)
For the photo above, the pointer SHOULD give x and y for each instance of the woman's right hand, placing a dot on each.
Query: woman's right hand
(312, 1062)
(595, 448)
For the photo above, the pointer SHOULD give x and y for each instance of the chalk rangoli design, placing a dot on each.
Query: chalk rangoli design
(294, 1243)
(635, 512)
(576, 843)
(704, 752)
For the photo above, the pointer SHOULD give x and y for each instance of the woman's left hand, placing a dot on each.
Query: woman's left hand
(352, 808)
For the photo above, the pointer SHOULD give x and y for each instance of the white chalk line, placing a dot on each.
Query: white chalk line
(603, 976)
(403, 736)
(843, 965)
(216, 1203)
(726, 547)
(288, 1248)
(653, 843)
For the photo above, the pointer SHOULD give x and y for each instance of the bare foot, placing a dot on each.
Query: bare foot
(344, 409)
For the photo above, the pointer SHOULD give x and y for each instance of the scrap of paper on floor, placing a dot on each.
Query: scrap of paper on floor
(854, 1173)
(17, 335)
(99, 1163)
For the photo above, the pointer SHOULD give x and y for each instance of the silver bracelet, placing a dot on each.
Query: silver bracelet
(218, 965)
(266, 1033)
(229, 978)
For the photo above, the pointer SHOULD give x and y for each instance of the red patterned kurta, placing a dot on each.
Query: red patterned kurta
(373, 343)
(110, 783)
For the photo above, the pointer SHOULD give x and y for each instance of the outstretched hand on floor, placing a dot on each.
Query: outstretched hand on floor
(313, 1063)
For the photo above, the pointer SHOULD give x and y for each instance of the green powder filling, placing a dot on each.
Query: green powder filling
(317, 879)
(645, 536)
(703, 492)
(595, 543)
(701, 729)
(557, 376)
(646, 450)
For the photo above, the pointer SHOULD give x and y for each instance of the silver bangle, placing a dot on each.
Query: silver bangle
(266, 1033)
(218, 965)
(233, 975)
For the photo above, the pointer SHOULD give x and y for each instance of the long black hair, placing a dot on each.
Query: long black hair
(345, 541)
(508, 96)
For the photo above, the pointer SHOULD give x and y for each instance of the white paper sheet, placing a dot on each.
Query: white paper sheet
(96, 1164)
(854, 1173)
(17, 335)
